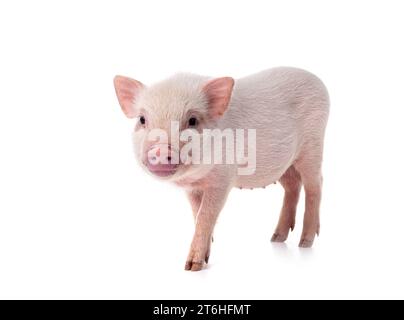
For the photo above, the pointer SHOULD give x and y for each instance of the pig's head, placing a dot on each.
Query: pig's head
(187, 102)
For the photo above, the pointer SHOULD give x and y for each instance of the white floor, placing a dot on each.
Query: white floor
(108, 236)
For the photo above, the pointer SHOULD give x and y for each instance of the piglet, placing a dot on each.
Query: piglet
(279, 117)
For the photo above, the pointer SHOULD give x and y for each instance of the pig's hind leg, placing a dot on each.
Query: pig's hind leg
(292, 184)
(309, 167)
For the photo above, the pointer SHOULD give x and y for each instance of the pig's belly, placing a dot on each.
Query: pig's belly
(272, 162)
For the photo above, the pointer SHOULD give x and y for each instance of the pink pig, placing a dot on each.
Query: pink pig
(287, 107)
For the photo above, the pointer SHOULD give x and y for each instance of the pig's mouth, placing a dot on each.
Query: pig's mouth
(161, 160)
(162, 170)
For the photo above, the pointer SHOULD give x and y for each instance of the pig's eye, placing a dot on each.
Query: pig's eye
(192, 122)
(142, 120)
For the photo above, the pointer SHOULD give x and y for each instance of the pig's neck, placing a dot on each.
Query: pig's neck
(218, 176)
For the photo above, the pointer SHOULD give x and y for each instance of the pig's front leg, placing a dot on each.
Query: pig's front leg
(212, 203)
(195, 199)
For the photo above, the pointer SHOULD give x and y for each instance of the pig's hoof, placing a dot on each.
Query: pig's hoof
(198, 255)
(193, 266)
(277, 237)
(196, 265)
(305, 243)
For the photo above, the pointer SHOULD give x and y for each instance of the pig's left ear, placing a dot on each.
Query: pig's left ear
(218, 91)
(127, 90)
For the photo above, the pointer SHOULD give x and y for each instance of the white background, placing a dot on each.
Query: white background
(79, 219)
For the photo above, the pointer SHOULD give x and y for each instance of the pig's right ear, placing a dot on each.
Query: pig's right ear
(127, 90)
(218, 92)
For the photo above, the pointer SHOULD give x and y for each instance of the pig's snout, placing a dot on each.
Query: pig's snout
(162, 160)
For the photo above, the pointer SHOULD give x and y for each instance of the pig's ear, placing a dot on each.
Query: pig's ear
(127, 90)
(218, 91)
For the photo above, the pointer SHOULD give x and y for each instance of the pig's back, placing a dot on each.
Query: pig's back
(286, 106)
